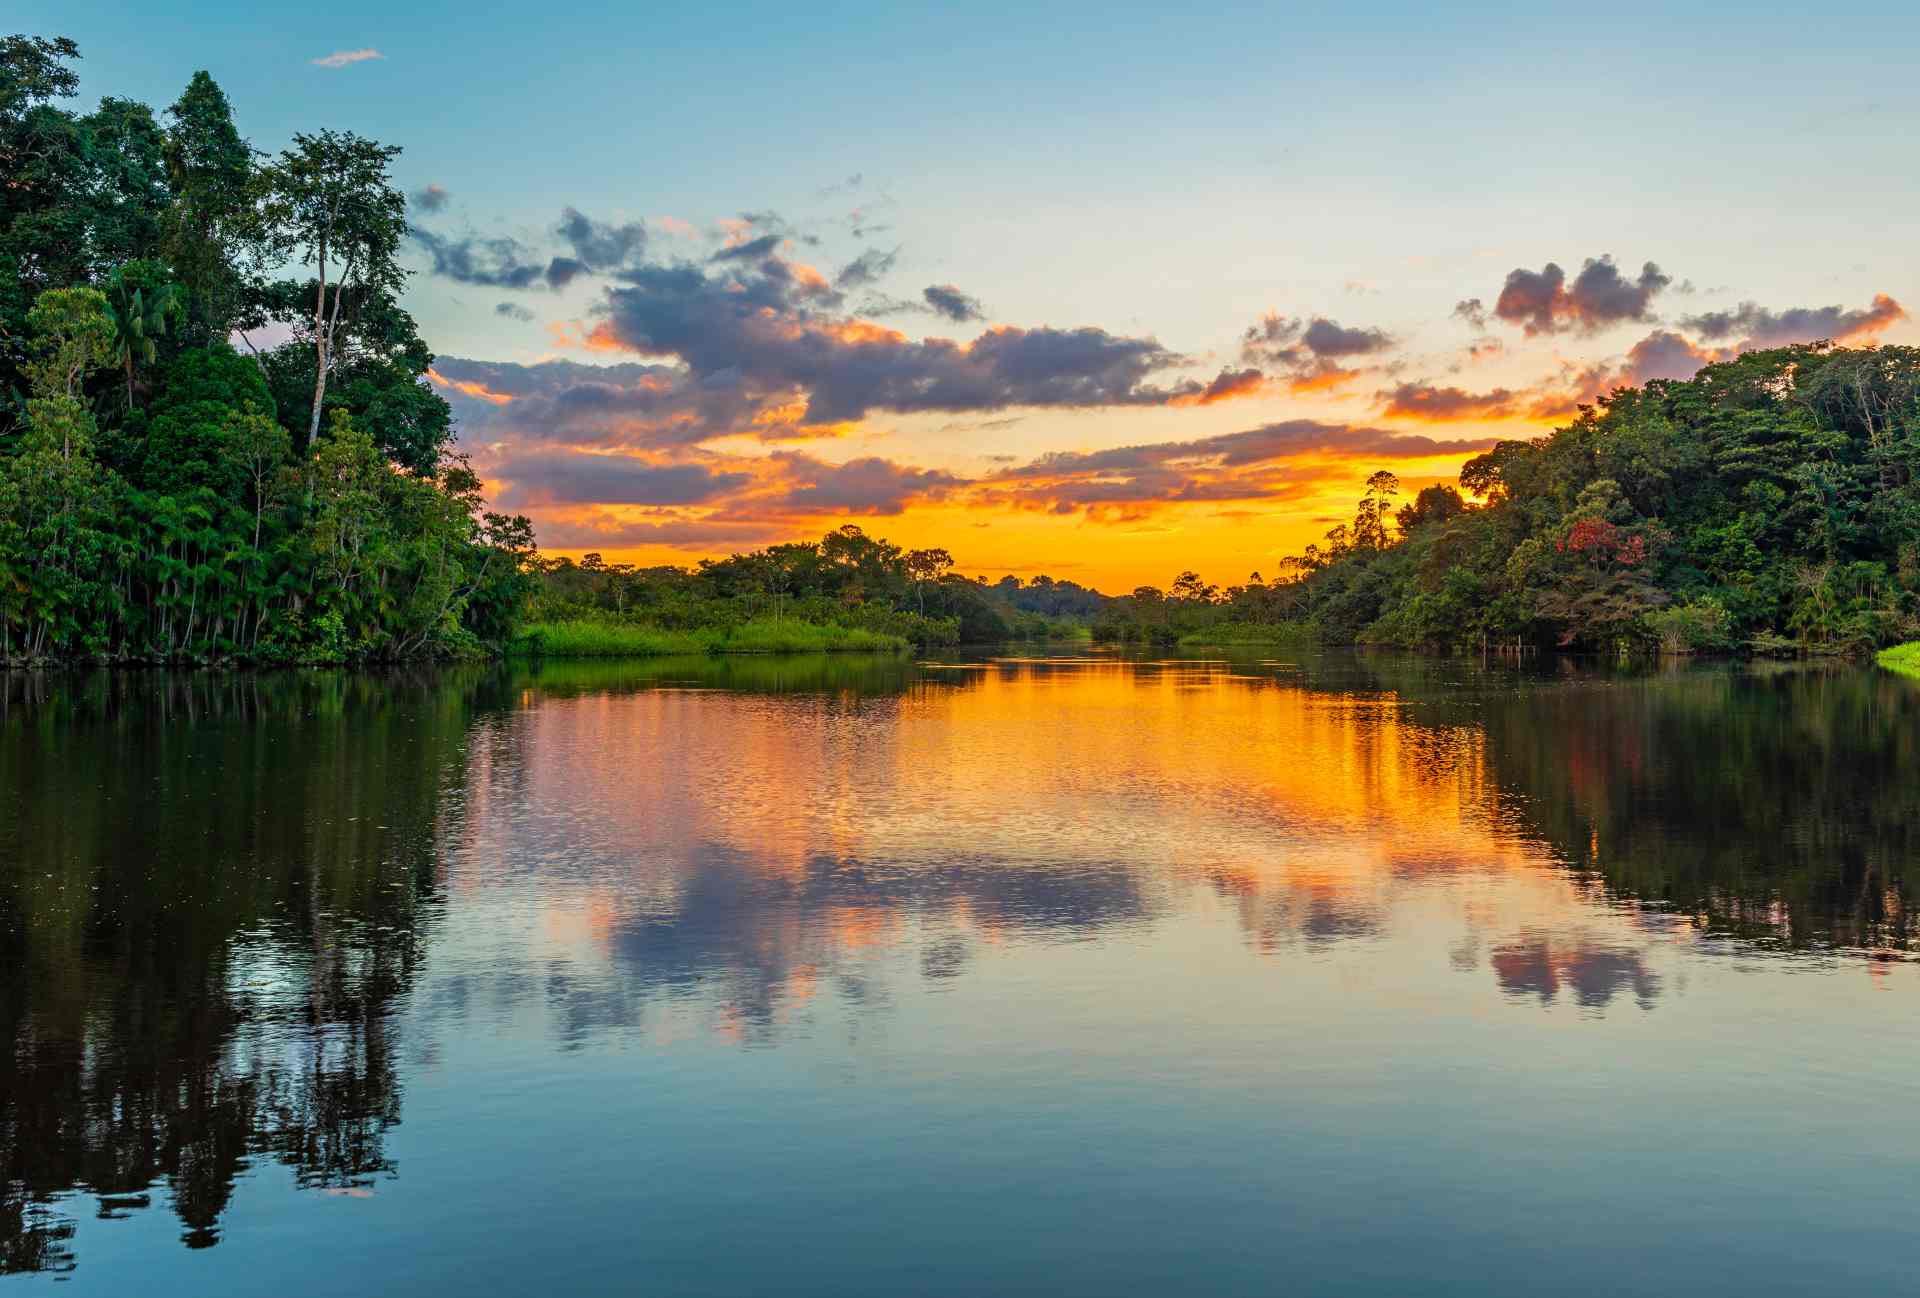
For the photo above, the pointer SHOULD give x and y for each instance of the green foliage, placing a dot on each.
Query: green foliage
(142, 301)
(597, 638)
(73, 335)
(1902, 658)
(214, 234)
(332, 205)
(845, 581)
(1248, 633)
(1768, 504)
(165, 499)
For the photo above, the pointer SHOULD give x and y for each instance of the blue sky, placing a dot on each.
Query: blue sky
(1156, 172)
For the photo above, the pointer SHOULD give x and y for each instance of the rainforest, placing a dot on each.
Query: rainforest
(172, 491)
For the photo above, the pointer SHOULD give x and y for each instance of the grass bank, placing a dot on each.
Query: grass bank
(583, 638)
(1902, 658)
(1249, 633)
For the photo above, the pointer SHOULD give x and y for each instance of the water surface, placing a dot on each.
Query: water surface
(1324, 974)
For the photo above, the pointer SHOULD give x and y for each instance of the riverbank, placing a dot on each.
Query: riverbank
(583, 638)
(1229, 634)
(1902, 658)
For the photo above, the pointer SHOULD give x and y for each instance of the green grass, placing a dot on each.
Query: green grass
(1058, 633)
(584, 638)
(1249, 633)
(1902, 658)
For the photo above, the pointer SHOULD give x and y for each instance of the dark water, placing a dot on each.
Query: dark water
(1340, 975)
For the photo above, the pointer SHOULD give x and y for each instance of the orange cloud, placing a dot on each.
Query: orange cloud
(476, 390)
(858, 331)
(809, 277)
(1432, 404)
(1232, 385)
(1326, 380)
(574, 334)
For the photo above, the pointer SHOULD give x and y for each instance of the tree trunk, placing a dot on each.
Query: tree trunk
(320, 347)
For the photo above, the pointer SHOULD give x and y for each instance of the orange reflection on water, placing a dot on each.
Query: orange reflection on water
(780, 839)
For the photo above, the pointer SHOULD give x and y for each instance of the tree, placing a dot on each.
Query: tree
(141, 300)
(1370, 519)
(1436, 504)
(213, 233)
(333, 203)
(1187, 588)
(925, 566)
(164, 524)
(126, 197)
(261, 447)
(32, 73)
(73, 335)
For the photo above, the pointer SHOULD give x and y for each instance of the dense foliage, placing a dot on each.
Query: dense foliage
(845, 580)
(163, 497)
(1769, 504)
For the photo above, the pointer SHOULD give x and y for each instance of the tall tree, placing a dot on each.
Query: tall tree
(334, 202)
(925, 566)
(40, 163)
(213, 234)
(127, 198)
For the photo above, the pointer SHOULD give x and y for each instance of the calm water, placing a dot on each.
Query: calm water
(1331, 975)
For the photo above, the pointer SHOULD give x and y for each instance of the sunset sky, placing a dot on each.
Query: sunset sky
(1094, 291)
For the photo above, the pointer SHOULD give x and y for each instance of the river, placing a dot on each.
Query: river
(1001, 974)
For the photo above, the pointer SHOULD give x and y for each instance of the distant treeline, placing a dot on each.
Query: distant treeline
(847, 580)
(1767, 505)
(164, 498)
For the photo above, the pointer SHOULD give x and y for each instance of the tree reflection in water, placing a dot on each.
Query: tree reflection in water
(217, 892)
(221, 884)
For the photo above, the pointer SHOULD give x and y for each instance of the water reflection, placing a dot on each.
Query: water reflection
(238, 913)
(1544, 965)
(216, 890)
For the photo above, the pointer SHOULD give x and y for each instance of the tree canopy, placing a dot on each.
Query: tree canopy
(1768, 504)
(163, 497)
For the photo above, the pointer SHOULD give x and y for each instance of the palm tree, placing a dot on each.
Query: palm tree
(139, 316)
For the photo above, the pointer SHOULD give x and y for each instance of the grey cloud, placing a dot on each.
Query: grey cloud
(599, 245)
(1445, 404)
(865, 269)
(497, 262)
(1325, 338)
(1266, 443)
(869, 485)
(502, 261)
(1277, 340)
(1664, 354)
(750, 250)
(1756, 326)
(630, 405)
(568, 477)
(1543, 302)
(948, 301)
(759, 324)
(1309, 351)
(562, 271)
